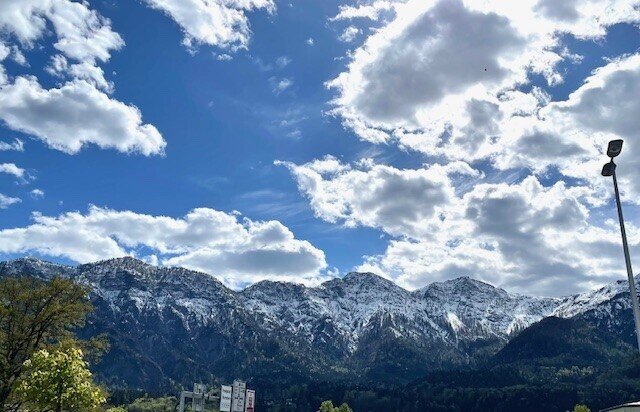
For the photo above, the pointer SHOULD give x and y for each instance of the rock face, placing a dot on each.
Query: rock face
(170, 326)
(166, 325)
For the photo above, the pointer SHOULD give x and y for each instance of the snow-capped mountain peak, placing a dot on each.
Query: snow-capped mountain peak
(353, 320)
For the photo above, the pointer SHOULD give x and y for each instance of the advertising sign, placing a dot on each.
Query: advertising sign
(225, 398)
(237, 399)
(250, 401)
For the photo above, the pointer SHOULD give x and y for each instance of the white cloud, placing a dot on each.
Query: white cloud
(236, 251)
(12, 169)
(402, 202)
(82, 34)
(422, 77)
(280, 85)
(6, 201)
(524, 236)
(411, 73)
(76, 114)
(283, 61)
(37, 194)
(4, 53)
(349, 34)
(372, 10)
(572, 135)
(60, 67)
(224, 57)
(16, 145)
(310, 41)
(18, 56)
(220, 23)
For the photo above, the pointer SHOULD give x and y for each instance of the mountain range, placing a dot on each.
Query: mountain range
(171, 326)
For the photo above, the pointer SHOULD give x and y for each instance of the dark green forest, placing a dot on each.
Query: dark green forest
(551, 366)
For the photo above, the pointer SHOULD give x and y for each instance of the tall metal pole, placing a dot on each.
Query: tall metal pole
(627, 259)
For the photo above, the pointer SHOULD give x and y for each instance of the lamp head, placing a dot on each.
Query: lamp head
(609, 169)
(614, 149)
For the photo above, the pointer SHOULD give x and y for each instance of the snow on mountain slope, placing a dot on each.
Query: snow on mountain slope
(167, 325)
(127, 283)
(459, 319)
(476, 309)
(449, 312)
(599, 300)
(341, 310)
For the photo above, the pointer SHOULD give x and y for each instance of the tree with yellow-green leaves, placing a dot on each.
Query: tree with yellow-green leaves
(36, 315)
(57, 380)
(327, 406)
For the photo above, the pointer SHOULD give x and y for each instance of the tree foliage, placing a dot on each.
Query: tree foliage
(147, 404)
(59, 380)
(34, 314)
(327, 406)
(581, 408)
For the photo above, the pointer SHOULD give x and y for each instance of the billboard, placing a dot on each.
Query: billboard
(237, 399)
(250, 403)
(225, 398)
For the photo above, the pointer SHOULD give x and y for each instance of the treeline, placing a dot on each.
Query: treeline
(503, 388)
(553, 365)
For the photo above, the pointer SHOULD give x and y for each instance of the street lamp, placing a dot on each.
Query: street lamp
(609, 169)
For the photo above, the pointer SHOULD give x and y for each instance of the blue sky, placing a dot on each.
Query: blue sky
(415, 205)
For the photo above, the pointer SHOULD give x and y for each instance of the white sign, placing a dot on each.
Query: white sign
(225, 398)
(199, 388)
(250, 403)
(237, 401)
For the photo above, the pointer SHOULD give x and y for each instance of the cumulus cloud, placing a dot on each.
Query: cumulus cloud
(213, 22)
(402, 202)
(76, 114)
(82, 34)
(421, 78)
(452, 80)
(236, 251)
(572, 135)
(525, 236)
(421, 59)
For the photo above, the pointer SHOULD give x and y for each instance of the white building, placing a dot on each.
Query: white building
(627, 407)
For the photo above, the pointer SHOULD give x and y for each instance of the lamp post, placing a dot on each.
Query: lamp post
(609, 169)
